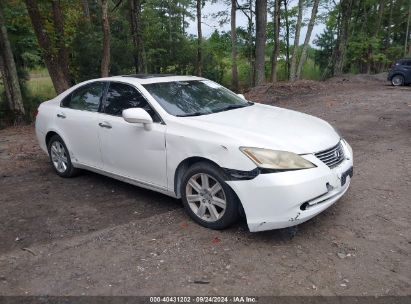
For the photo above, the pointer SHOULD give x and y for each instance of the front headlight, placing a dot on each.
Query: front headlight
(277, 160)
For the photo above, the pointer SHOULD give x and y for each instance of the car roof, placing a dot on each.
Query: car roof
(152, 78)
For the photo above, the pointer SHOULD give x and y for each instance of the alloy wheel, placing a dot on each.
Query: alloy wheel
(59, 156)
(397, 80)
(206, 197)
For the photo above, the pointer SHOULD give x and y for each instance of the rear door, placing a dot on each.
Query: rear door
(128, 149)
(77, 121)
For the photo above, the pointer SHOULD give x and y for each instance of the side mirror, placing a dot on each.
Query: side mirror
(138, 115)
(241, 95)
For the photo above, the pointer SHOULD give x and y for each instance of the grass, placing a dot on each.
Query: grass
(311, 71)
(37, 89)
(40, 86)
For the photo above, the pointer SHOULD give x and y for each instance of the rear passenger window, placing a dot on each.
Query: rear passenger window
(121, 96)
(86, 98)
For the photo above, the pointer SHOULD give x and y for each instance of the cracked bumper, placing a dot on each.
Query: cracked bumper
(273, 201)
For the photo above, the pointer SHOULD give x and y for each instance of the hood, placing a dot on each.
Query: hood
(269, 127)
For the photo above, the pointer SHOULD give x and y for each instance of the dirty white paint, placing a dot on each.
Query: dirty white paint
(150, 156)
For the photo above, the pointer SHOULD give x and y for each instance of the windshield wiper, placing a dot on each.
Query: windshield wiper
(191, 114)
(232, 107)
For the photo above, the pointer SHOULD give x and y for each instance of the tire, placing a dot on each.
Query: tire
(60, 157)
(397, 80)
(202, 202)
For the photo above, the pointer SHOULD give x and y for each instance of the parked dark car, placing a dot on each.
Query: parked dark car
(400, 73)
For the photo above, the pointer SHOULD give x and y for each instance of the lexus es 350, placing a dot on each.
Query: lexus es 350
(191, 138)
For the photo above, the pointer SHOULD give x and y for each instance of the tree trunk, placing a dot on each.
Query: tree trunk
(135, 9)
(86, 10)
(251, 42)
(293, 68)
(57, 74)
(9, 72)
(303, 57)
(381, 7)
(105, 61)
(234, 71)
(341, 48)
(407, 34)
(276, 47)
(249, 16)
(287, 39)
(62, 52)
(199, 40)
(6, 85)
(388, 33)
(260, 39)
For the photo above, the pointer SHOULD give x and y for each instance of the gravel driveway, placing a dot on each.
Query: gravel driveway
(92, 235)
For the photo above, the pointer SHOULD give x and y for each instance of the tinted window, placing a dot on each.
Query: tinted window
(121, 96)
(86, 98)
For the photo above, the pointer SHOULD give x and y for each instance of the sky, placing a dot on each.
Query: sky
(210, 24)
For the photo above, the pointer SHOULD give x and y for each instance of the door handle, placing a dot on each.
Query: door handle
(61, 116)
(107, 126)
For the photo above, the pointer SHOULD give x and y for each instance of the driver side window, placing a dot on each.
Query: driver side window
(121, 96)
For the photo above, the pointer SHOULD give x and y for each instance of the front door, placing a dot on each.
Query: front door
(128, 149)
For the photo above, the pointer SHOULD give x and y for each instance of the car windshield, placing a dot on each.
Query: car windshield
(194, 97)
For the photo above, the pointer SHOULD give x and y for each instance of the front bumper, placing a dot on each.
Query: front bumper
(284, 199)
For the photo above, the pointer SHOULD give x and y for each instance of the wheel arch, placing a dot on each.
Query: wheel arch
(49, 135)
(187, 163)
(182, 168)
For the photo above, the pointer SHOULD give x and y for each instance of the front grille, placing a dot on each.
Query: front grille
(332, 157)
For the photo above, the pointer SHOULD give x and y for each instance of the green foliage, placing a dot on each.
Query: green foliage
(374, 43)
(377, 35)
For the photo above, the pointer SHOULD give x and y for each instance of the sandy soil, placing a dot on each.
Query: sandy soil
(92, 235)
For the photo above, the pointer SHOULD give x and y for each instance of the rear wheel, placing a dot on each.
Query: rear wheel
(60, 157)
(397, 80)
(207, 198)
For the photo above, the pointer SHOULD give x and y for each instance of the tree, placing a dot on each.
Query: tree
(307, 38)
(293, 68)
(56, 68)
(407, 33)
(105, 61)
(234, 71)
(9, 72)
(261, 27)
(247, 10)
(342, 40)
(62, 53)
(287, 38)
(199, 65)
(135, 15)
(86, 9)
(276, 47)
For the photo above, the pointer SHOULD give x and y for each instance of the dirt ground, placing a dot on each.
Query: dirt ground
(92, 235)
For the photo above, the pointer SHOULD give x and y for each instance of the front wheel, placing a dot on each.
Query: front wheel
(60, 157)
(397, 80)
(207, 198)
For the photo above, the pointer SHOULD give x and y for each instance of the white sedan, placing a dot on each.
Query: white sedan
(191, 138)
